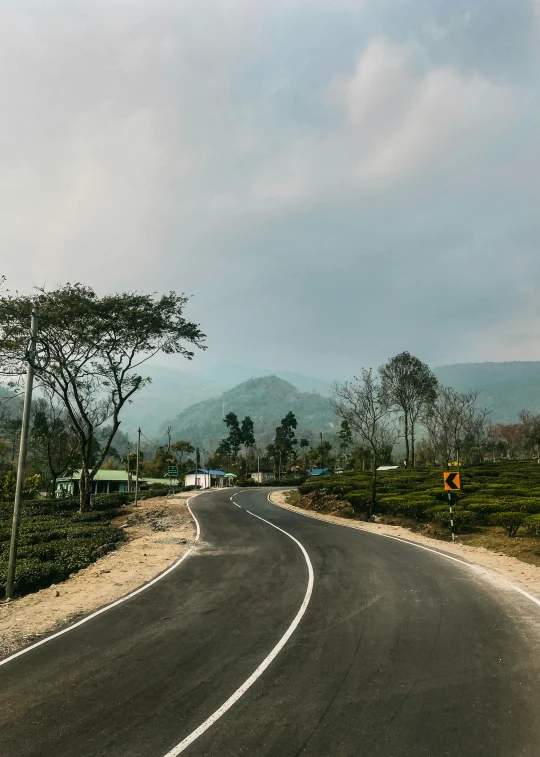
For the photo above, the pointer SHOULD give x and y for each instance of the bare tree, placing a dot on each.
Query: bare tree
(408, 385)
(450, 419)
(531, 430)
(512, 436)
(362, 405)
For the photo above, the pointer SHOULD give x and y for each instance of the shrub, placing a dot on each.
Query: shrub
(532, 524)
(530, 506)
(412, 509)
(110, 501)
(41, 507)
(485, 508)
(359, 500)
(311, 486)
(460, 517)
(509, 520)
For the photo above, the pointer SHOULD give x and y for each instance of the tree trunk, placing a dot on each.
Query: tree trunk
(407, 451)
(413, 458)
(373, 485)
(53, 487)
(85, 486)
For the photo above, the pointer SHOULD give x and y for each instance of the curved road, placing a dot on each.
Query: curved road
(400, 653)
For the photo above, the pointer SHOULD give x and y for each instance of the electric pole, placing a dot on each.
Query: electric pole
(137, 468)
(30, 358)
(128, 467)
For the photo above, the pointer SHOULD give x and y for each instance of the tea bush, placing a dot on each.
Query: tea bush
(509, 520)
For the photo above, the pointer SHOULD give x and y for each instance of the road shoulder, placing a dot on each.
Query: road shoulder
(158, 532)
(526, 576)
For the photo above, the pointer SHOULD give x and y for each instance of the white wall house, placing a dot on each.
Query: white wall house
(262, 476)
(204, 478)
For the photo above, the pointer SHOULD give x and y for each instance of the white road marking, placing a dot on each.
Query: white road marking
(265, 663)
(476, 568)
(234, 503)
(113, 604)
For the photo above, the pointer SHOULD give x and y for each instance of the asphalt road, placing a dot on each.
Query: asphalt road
(400, 653)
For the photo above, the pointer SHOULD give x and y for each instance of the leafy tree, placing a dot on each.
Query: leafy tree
(158, 467)
(304, 445)
(52, 440)
(409, 385)
(94, 347)
(285, 440)
(345, 436)
(248, 437)
(325, 449)
(231, 445)
(181, 451)
(363, 405)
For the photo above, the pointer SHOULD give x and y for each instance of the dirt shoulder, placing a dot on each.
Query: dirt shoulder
(158, 532)
(510, 568)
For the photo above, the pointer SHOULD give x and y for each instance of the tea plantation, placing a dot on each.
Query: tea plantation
(504, 494)
(55, 540)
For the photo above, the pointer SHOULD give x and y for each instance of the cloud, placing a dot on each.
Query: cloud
(405, 120)
(320, 165)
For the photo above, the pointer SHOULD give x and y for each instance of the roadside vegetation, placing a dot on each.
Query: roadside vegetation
(55, 540)
(499, 506)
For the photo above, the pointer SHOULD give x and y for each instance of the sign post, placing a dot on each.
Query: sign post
(452, 482)
(172, 472)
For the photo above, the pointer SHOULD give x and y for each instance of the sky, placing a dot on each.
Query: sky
(333, 181)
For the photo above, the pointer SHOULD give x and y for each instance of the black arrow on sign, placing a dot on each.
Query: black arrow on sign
(450, 481)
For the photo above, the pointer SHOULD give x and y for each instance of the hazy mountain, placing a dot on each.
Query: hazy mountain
(267, 400)
(506, 388)
(231, 374)
(170, 392)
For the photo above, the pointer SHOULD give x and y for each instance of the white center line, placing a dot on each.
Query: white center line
(265, 663)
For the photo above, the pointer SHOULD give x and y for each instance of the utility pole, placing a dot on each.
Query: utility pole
(322, 453)
(127, 468)
(30, 358)
(279, 474)
(259, 469)
(137, 469)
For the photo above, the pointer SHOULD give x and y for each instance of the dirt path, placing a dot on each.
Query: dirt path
(158, 532)
(510, 568)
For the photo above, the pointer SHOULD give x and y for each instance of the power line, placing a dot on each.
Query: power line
(151, 442)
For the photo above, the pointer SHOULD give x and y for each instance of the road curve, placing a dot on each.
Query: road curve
(398, 653)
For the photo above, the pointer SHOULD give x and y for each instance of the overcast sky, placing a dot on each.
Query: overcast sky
(333, 181)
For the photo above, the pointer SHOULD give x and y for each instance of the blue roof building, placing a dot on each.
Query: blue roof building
(319, 472)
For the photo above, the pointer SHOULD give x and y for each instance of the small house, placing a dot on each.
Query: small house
(204, 477)
(106, 482)
(262, 476)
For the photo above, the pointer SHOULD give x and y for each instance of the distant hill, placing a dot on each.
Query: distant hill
(267, 400)
(170, 392)
(506, 388)
(173, 390)
(232, 374)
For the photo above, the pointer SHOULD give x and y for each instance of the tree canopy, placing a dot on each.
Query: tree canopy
(91, 351)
